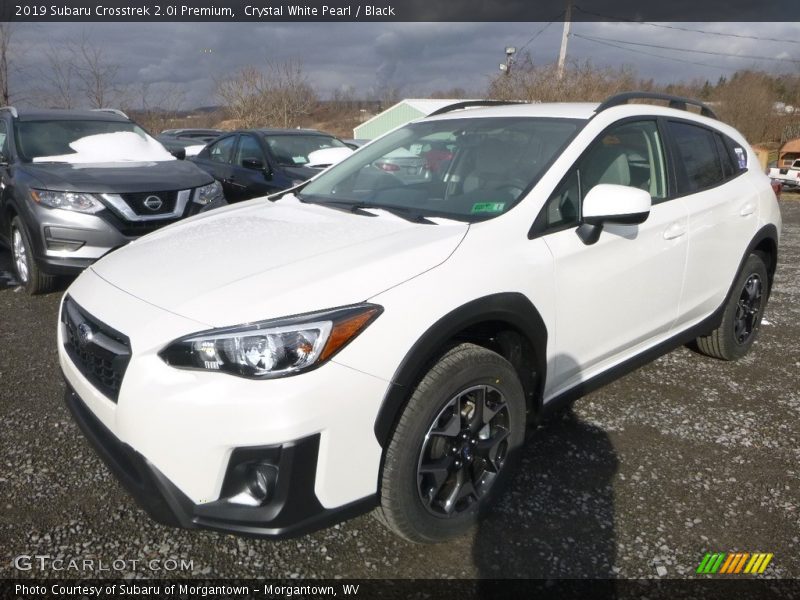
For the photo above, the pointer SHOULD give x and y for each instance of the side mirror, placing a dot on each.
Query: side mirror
(253, 163)
(180, 153)
(257, 165)
(612, 204)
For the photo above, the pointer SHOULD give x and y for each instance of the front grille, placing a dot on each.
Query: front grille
(138, 202)
(100, 352)
(140, 228)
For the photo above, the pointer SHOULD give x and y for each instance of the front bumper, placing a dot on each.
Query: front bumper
(294, 510)
(181, 430)
(66, 242)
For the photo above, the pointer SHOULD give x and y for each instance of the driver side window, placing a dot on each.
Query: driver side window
(630, 154)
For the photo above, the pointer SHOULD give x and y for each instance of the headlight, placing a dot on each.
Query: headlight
(208, 193)
(77, 201)
(275, 348)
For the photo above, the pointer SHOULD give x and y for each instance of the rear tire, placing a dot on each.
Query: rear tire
(454, 447)
(742, 317)
(30, 276)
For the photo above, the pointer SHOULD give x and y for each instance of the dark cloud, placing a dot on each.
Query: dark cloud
(417, 58)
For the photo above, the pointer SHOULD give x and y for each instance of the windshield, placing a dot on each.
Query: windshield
(466, 169)
(87, 141)
(293, 150)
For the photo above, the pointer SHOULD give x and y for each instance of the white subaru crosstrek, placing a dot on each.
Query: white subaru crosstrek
(381, 336)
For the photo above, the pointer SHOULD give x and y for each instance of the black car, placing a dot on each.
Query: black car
(258, 162)
(178, 140)
(76, 184)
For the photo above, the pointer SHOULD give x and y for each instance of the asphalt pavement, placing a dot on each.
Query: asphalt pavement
(685, 456)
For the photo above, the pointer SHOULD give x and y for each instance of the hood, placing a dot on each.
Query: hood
(259, 260)
(118, 178)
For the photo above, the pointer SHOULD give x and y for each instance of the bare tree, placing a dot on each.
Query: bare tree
(281, 96)
(288, 92)
(580, 82)
(97, 77)
(59, 76)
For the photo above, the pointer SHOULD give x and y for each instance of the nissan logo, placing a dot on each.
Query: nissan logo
(153, 203)
(85, 333)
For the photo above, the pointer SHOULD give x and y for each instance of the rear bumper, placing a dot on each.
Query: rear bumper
(293, 509)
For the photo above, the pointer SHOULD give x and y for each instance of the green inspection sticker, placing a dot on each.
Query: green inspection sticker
(488, 207)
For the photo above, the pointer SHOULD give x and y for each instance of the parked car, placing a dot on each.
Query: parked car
(367, 341)
(78, 184)
(789, 177)
(187, 142)
(257, 162)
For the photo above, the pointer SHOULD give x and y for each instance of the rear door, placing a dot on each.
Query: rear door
(722, 204)
(622, 291)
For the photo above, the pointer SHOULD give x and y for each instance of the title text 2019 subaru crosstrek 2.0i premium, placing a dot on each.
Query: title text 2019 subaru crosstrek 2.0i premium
(75, 184)
(370, 341)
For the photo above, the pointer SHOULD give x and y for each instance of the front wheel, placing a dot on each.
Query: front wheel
(454, 447)
(30, 276)
(742, 317)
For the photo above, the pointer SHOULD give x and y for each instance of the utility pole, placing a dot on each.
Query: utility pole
(562, 55)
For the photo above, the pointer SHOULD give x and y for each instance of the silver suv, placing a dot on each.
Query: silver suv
(75, 185)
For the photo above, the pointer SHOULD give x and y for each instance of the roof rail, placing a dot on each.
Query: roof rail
(471, 103)
(10, 109)
(115, 111)
(674, 102)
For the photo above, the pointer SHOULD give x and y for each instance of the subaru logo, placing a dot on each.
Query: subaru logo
(153, 203)
(85, 333)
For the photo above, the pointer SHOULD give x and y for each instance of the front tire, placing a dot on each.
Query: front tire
(30, 276)
(454, 447)
(742, 317)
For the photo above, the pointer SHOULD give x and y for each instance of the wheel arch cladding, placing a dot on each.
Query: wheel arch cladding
(480, 321)
(765, 243)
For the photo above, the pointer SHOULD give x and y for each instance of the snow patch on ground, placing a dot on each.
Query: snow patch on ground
(119, 146)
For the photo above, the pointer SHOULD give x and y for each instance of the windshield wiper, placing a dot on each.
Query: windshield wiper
(349, 207)
(362, 208)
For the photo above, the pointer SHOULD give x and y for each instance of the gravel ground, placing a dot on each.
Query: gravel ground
(685, 456)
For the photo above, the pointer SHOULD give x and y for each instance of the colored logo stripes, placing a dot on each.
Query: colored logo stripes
(734, 563)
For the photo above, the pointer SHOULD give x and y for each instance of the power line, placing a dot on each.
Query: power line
(694, 51)
(541, 31)
(681, 60)
(689, 29)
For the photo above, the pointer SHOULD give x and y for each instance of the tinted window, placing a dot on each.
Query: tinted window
(630, 155)
(248, 150)
(728, 166)
(697, 153)
(739, 154)
(222, 150)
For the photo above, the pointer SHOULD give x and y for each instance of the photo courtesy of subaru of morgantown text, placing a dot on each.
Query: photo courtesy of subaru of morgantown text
(235, 387)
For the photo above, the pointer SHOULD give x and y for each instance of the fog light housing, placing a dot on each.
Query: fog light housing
(252, 477)
(261, 481)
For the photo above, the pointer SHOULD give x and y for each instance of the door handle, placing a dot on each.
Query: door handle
(674, 231)
(747, 209)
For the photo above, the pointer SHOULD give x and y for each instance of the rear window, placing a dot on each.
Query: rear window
(698, 155)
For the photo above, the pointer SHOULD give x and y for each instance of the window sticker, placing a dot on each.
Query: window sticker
(741, 157)
(299, 160)
(488, 207)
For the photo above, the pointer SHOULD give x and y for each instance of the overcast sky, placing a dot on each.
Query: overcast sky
(418, 58)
